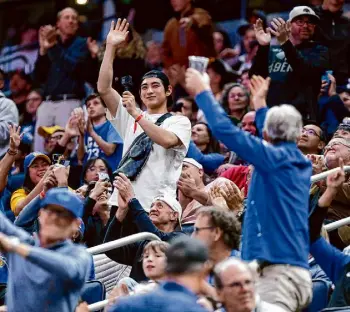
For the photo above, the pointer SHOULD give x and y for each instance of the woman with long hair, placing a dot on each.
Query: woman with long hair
(204, 139)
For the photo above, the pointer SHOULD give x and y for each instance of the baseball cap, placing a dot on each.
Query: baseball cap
(171, 201)
(46, 131)
(193, 162)
(29, 159)
(64, 198)
(302, 10)
(186, 254)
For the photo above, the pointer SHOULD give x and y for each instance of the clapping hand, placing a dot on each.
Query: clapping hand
(280, 29)
(72, 129)
(259, 88)
(93, 47)
(15, 137)
(187, 185)
(264, 38)
(124, 186)
(118, 32)
(47, 38)
(336, 179)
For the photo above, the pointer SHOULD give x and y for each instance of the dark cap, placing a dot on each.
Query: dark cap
(186, 255)
(158, 74)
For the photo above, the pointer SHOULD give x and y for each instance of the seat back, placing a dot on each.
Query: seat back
(337, 309)
(93, 291)
(321, 291)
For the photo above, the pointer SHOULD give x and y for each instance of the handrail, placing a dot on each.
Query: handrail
(337, 224)
(98, 305)
(324, 175)
(122, 242)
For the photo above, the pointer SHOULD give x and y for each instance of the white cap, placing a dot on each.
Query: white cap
(171, 201)
(302, 10)
(193, 162)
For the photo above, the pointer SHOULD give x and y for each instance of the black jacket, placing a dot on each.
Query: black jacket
(333, 31)
(295, 73)
(132, 254)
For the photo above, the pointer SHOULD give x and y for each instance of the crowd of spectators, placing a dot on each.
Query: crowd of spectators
(102, 141)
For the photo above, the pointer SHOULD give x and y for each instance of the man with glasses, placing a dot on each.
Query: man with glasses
(47, 272)
(312, 140)
(234, 282)
(296, 65)
(51, 136)
(220, 231)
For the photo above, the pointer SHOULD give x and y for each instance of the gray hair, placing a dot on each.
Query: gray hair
(283, 123)
(59, 14)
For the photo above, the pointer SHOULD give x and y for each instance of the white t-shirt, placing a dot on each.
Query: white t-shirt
(163, 168)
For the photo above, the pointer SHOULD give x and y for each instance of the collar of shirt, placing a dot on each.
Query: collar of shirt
(172, 286)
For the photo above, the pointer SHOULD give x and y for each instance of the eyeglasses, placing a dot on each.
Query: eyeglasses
(239, 285)
(197, 229)
(310, 132)
(55, 138)
(307, 22)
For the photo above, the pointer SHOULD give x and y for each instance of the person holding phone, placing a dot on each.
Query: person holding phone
(166, 137)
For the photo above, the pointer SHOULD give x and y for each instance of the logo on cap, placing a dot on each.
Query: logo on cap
(306, 10)
(63, 198)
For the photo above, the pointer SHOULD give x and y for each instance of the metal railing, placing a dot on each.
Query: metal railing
(116, 244)
(321, 176)
(122, 242)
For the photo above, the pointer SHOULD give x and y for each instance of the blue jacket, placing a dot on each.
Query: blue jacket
(275, 227)
(210, 162)
(49, 279)
(337, 267)
(168, 297)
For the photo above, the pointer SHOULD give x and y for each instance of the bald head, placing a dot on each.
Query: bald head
(234, 281)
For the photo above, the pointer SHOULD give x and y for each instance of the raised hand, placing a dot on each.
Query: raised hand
(336, 179)
(118, 32)
(49, 181)
(15, 137)
(47, 37)
(124, 186)
(280, 29)
(72, 126)
(264, 38)
(259, 88)
(195, 82)
(93, 47)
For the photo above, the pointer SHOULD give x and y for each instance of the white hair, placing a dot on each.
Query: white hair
(283, 123)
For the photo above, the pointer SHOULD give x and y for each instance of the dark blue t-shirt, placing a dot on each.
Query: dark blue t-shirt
(108, 133)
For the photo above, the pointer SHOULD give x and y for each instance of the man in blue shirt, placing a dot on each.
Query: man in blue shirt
(47, 272)
(186, 270)
(275, 228)
(65, 62)
(100, 138)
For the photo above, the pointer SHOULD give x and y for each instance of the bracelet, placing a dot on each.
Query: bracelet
(138, 118)
(11, 152)
(42, 194)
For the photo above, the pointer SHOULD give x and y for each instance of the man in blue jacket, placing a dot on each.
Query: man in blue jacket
(46, 273)
(275, 228)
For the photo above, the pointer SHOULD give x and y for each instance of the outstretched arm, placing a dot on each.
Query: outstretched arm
(117, 35)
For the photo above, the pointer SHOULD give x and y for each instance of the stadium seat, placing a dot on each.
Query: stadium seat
(321, 291)
(93, 291)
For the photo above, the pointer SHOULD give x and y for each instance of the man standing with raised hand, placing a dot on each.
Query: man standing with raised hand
(155, 169)
(275, 227)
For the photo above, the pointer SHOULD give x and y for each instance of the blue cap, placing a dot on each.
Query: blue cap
(61, 196)
(28, 160)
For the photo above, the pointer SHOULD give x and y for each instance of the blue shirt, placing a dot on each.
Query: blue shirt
(108, 133)
(275, 227)
(168, 297)
(48, 279)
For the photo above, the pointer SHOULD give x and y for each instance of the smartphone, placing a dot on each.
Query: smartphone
(103, 176)
(58, 159)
